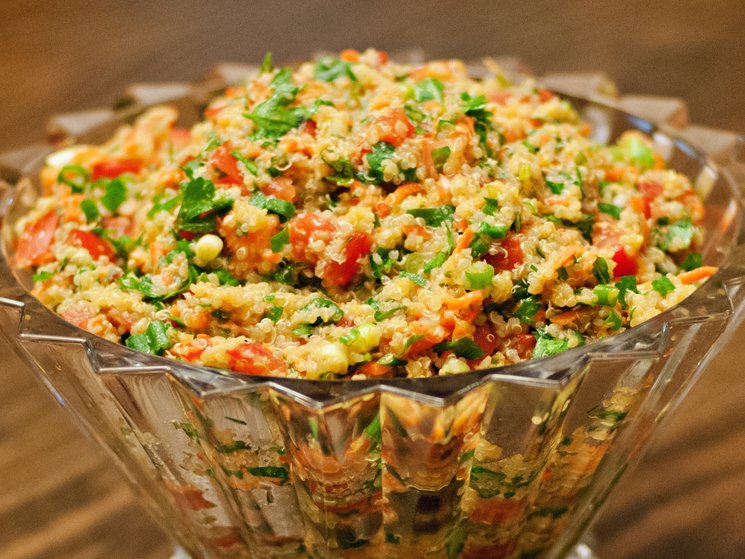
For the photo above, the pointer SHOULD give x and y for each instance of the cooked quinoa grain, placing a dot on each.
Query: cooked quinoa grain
(360, 218)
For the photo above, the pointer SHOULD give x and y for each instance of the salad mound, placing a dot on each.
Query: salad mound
(354, 217)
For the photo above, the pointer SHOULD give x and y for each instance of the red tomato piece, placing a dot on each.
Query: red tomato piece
(256, 359)
(36, 240)
(650, 189)
(394, 127)
(112, 168)
(307, 228)
(309, 127)
(91, 242)
(625, 265)
(281, 188)
(121, 224)
(485, 339)
(226, 166)
(506, 259)
(523, 344)
(341, 273)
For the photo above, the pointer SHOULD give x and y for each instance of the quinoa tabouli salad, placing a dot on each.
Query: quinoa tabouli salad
(355, 218)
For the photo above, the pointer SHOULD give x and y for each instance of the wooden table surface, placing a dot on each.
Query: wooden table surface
(60, 497)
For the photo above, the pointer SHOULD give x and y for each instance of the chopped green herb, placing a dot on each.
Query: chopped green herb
(434, 217)
(638, 151)
(440, 157)
(416, 278)
(610, 209)
(663, 285)
(381, 314)
(285, 210)
(606, 294)
(266, 64)
(115, 193)
(547, 345)
(437, 261)
(463, 347)
(269, 471)
(429, 89)
(273, 313)
(562, 273)
(302, 330)
(391, 360)
(614, 321)
(154, 340)
(321, 303)
(199, 207)
(273, 117)
(162, 205)
(678, 236)
(600, 270)
(491, 206)
(379, 153)
(531, 148)
(329, 68)
(278, 241)
(693, 260)
(42, 276)
(250, 164)
(624, 284)
(220, 314)
(493, 231)
(386, 263)
(343, 171)
(527, 309)
(520, 289)
(90, 210)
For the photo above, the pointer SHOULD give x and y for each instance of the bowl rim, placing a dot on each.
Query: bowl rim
(108, 357)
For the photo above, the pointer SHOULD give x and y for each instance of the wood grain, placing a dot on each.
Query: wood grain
(60, 497)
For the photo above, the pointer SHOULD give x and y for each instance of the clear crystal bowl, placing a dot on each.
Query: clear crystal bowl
(505, 463)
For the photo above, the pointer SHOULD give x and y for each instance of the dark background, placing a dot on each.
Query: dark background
(58, 495)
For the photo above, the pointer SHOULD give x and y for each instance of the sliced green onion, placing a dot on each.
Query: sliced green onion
(76, 177)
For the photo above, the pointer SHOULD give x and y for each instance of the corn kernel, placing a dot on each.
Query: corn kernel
(207, 249)
(369, 338)
(332, 357)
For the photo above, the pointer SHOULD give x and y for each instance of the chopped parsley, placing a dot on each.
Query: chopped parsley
(693, 260)
(600, 270)
(463, 347)
(329, 68)
(379, 153)
(427, 90)
(115, 193)
(527, 309)
(547, 345)
(90, 210)
(610, 209)
(663, 285)
(274, 117)
(434, 217)
(76, 177)
(284, 209)
(199, 207)
(278, 241)
(154, 340)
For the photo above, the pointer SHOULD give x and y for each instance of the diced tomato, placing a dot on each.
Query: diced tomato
(308, 127)
(121, 224)
(91, 242)
(383, 57)
(256, 359)
(194, 349)
(485, 338)
(394, 127)
(226, 166)
(349, 55)
(523, 344)
(341, 273)
(112, 168)
(36, 240)
(307, 228)
(650, 189)
(281, 188)
(190, 497)
(79, 314)
(506, 259)
(545, 95)
(625, 265)
(374, 369)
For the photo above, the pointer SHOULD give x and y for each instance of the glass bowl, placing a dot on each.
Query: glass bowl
(511, 462)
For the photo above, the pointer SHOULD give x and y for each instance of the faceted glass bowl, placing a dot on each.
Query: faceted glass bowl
(505, 463)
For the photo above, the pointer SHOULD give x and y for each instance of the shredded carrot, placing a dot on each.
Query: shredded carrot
(427, 161)
(465, 239)
(698, 274)
(374, 369)
(349, 55)
(615, 174)
(464, 301)
(416, 229)
(404, 191)
(565, 318)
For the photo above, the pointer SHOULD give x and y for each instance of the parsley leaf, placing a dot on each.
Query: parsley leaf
(343, 171)
(428, 89)
(663, 285)
(90, 210)
(678, 236)
(278, 241)
(434, 217)
(115, 193)
(328, 68)
(199, 207)
(475, 107)
(600, 270)
(693, 260)
(610, 209)
(547, 345)
(463, 347)
(416, 278)
(379, 153)
(273, 117)
(527, 309)
(154, 340)
(624, 284)
(491, 206)
(285, 210)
